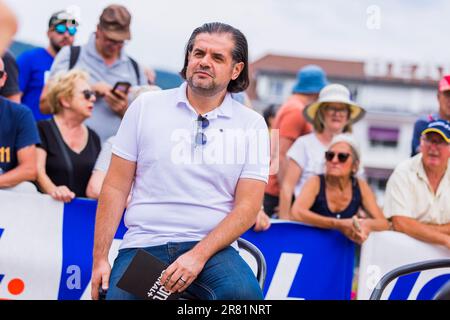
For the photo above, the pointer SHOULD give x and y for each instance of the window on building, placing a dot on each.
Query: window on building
(377, 177)
(276, 87)
(385, 137)
(377, 183)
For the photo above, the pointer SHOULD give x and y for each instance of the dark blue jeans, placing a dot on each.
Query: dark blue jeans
(226, 276)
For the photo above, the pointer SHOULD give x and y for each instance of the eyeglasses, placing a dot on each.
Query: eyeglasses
(114, 42)
(2, 73)
(342, 156)
(62, 28)
(437, 142)
(333, 109)
(88, 94)
(200, 137)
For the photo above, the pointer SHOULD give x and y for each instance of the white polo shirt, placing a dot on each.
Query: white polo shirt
(409, 194)
(182, 190)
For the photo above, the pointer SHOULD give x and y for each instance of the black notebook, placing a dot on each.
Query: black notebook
(142, 278)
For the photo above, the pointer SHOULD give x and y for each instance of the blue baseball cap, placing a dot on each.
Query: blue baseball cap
(442, 127)
(310, 79)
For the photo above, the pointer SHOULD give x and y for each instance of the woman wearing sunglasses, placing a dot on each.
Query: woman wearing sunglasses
(69, 148)
(333, 200)
(332, 114)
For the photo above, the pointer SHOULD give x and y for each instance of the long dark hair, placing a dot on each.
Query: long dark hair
(239, 54)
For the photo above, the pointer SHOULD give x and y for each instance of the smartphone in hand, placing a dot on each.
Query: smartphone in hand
(122, 86)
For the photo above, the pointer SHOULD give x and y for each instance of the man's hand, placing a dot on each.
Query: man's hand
(100, 276)
(180, 274)
(117, 102)
(262, 221)
(62, 193)
(101, 88)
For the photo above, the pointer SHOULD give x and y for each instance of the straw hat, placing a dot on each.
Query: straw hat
(336, 93)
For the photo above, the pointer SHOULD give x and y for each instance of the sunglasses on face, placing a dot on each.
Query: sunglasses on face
(200, 137)
(342, 156)
(88, 94)
(2, 73)
(62, 28)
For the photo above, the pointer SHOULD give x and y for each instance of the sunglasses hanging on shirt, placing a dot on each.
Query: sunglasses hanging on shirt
(200, 137)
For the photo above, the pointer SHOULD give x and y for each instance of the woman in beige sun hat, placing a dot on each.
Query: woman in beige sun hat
(332, 114)
(334, 94)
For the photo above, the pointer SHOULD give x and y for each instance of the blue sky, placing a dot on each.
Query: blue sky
(406, 31)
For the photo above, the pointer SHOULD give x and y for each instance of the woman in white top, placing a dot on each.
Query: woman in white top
(332, 114)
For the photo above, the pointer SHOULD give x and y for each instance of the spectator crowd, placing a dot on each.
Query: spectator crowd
(62, 106)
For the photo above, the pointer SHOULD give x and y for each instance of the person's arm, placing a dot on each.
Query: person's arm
(442, 228)
(294, 172)
(25, 171)
(285, 145)
(300, 212)
(46, 185)
(98, 175)
(369, 203)
(420, 231)
(95, 184)
(292, 125)
(248, 200)
(262, 222)
(111, 205)
(8, 26)
(118, 104)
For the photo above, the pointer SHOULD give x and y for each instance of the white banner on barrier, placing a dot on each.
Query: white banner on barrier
(46, 253)
(385, 251)
(30, 246)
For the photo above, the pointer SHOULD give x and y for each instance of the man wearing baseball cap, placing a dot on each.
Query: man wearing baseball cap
(417, 195)
(443, 113)
(105, 60)
(34, 64)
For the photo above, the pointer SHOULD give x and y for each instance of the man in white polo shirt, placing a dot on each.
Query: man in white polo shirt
(198, 162)
(418, 192)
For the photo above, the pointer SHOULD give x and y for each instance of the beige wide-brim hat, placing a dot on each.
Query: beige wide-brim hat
(335, 93)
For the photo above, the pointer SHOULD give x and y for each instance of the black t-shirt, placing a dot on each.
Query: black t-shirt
(11, 86)
(82, 163)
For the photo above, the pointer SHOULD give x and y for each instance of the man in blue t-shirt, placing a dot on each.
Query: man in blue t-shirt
(18, 139)
(35, 64)
(443, 113)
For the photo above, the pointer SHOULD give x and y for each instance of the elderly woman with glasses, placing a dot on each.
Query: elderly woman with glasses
(69, 148)
(333, 200)
(332, 114)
